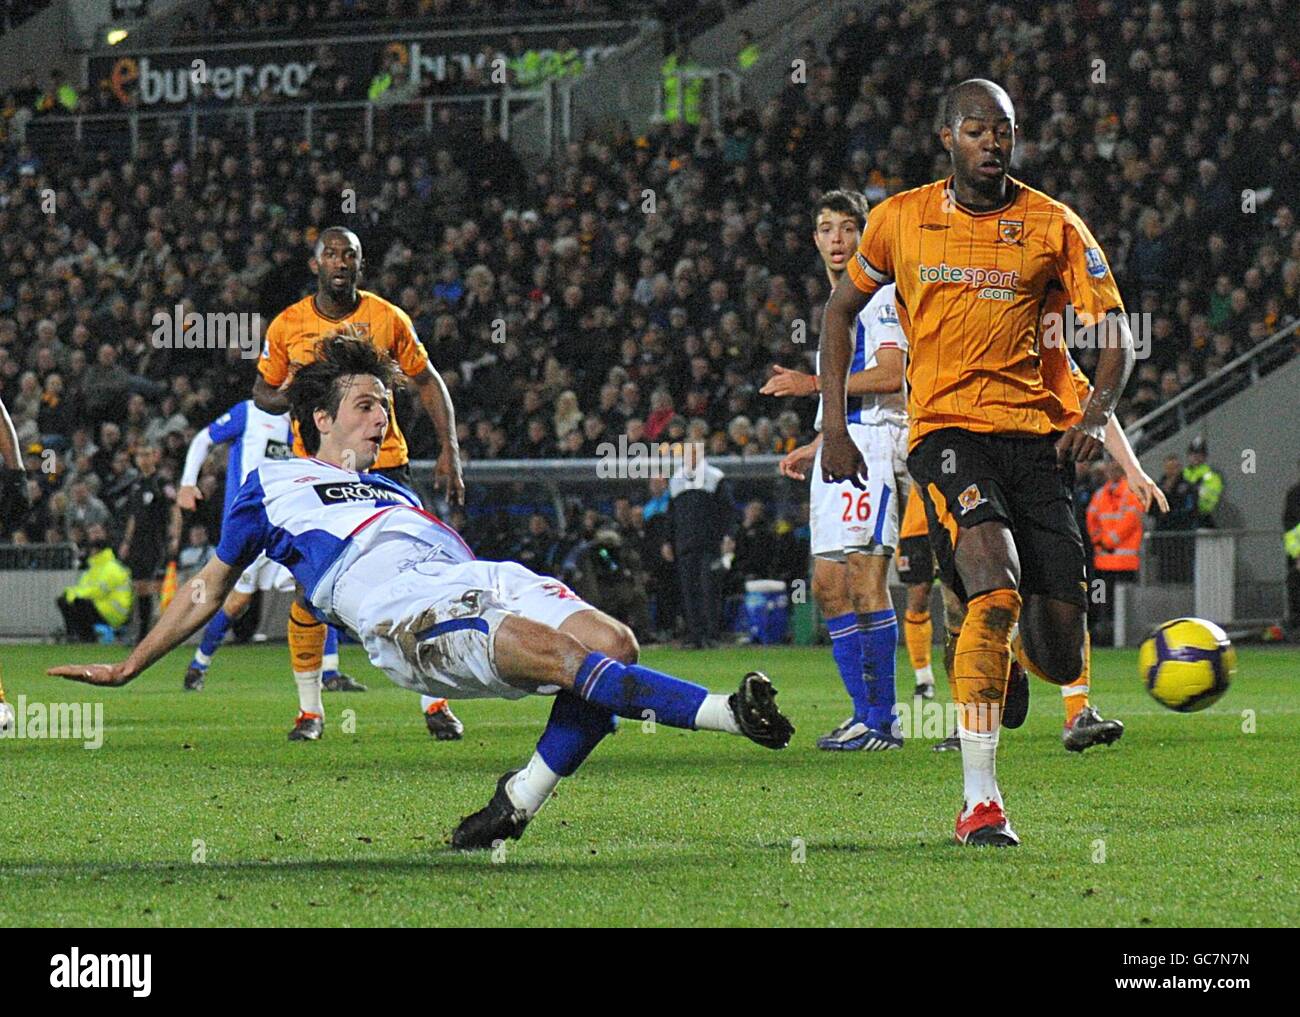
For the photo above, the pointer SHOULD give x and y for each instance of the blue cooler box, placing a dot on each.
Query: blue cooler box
(767, 610)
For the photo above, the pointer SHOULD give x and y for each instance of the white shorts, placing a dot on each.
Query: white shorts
(265, 574)
(842, 517)
(432, 627)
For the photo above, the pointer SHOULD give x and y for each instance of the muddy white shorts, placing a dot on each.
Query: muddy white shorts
(265, 574)
(842, 517)
(432, 627)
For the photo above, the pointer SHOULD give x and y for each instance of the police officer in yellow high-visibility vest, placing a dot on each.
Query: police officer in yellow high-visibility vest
(1291, 544)
(749, 51)
(690, 90)
(1207, 481)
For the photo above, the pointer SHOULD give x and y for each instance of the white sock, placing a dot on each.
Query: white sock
(308, 683)
(715, 714)
(426, 702)
(329, 662)
(925, 675)
(979, 767)
(530, 788)
(201, 658)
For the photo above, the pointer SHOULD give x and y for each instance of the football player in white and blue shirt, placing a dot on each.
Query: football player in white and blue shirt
(429, 614)
(855, 531)
(252, 436)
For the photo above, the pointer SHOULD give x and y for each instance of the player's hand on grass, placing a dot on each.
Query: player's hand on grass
(786, 381)
(188, 497)
(95, 674)
(842, 460)
(446, 474)
(1147, 490)
(1081, 444)
(796, 463)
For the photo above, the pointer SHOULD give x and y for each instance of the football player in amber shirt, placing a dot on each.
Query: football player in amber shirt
(1084, 726)
(973, 258)
(291, 342)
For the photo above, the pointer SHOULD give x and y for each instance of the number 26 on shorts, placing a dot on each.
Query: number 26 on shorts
(861, 504)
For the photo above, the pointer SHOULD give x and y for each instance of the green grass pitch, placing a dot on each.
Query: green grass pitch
(197, 811)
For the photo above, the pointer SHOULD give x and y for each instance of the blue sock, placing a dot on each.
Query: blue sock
(213, 635)
(846, 648)
(630, 690)
(331, 653)
(575, 728)
(879, 633)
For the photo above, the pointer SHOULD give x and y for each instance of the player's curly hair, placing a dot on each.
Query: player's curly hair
(317, 386)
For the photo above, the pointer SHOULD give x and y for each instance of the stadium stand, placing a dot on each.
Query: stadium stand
(617, 322)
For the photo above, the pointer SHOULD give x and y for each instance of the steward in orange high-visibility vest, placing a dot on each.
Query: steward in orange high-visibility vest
(1115, 524)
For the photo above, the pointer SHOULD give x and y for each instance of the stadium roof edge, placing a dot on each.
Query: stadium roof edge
(408, 36)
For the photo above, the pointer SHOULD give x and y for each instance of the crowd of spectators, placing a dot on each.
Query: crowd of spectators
(643, 285)
(622, 558)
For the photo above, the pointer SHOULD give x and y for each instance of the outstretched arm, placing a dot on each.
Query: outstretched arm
(886, 376)
(193, 606)
(189, 494)
(1139, 482)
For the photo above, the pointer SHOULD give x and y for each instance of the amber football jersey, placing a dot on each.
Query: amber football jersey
(971, 289)
(291, 343)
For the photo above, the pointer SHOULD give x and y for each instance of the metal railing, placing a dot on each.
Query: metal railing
(551, 479)
(1231, 577)
(34, 557)
(1195, 402)
(123, 133)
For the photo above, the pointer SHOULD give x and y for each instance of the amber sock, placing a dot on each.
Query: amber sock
(983, 658)
(950, 637)
(917, 633)
(1074, 697)
(306, 642)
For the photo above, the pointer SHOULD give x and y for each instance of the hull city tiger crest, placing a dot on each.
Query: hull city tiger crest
(1011, 231)
(970, 498)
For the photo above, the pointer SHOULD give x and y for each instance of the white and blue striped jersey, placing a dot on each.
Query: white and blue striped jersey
(877, 328)
(317, 520)
(253, 435)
